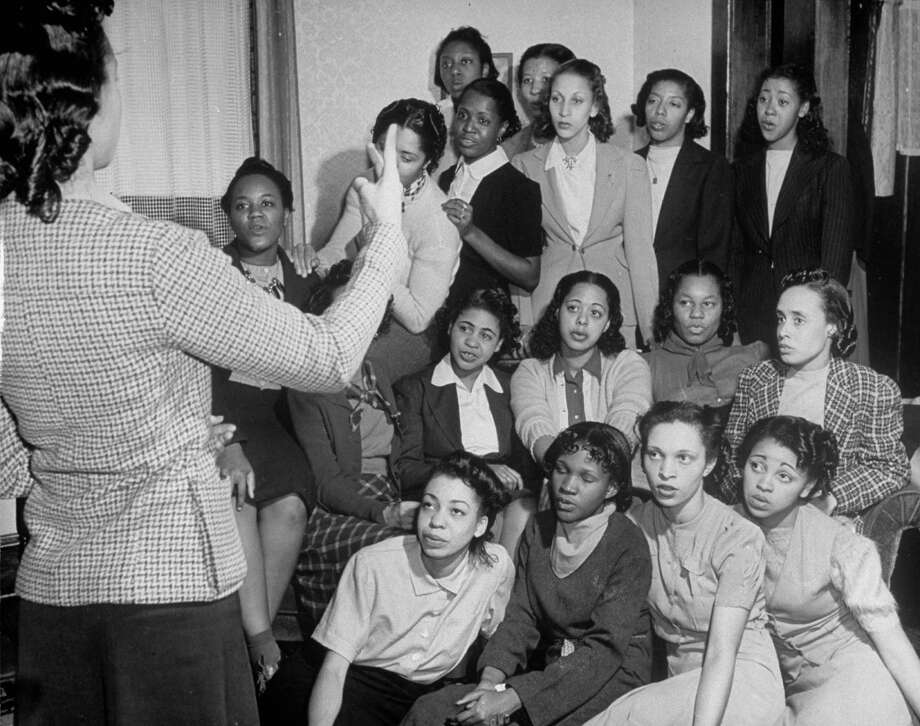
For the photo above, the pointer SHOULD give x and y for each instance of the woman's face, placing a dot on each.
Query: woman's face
(410, 158)
(257, 216)
(579, 486)
(535, 76)
(477, 127)
(697, 309)
(779, 109)
(105, 126)
(474, 337)
(667, 113)
(674, 460)
(458, 66)
(448, 519)
(571, 106)
(803, 332)
(583, 317)
(773, 483)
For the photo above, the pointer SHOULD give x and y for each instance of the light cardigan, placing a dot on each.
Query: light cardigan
(623, 393)
(434, 253)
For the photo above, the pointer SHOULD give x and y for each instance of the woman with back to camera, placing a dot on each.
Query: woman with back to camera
(133, 553)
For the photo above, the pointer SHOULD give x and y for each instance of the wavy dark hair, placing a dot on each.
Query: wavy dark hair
(696, 127)
(474, 471)
(664, 312)
(554, 51)
(254, 166)
(836, 302)
(504, 103)
(704, 419)
(600, 125)
(473, 38)
(603, 444)
(419, 116)
(545, 339)
(493, 300)
(810, 130)
(815, 448)
(322, 296)
(52, 69)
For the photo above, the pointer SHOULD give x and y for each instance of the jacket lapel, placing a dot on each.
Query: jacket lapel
(838, 399)
(797, 175)
(501, 414)
(603, 190)
(682, 189)
(754, 172)
(444, 411)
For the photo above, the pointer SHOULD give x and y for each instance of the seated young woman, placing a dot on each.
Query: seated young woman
(694, 329)
(812, 379)
(494, 207)
(347, 437)
(434, 244)
(461, 402)
(264, 462)
(576, 632)
(581, 369)
(707, 593)
(408, 609)
(843, 653)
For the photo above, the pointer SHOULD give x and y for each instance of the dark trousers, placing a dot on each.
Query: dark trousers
(134, 665)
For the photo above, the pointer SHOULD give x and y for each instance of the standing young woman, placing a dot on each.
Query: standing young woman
(691, 186)
(793, 198)
(495, 208)
(844, 655)
(596, 211)
(706, 599)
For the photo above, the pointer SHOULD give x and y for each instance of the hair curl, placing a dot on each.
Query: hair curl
(474, 471)
(545, 339)
(704, 419)
(504, 103)
(836, 303)
(424, 118)
(473, 38)
(695, 127)
(810, 130)
(663, 322)
(556, 52)
(52, 69)
(815, 448)
(601, 125)
(493, 300)
(604, 445)
(322, 296)
(254, 166)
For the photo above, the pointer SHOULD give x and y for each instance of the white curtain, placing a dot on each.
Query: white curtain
(909, 78)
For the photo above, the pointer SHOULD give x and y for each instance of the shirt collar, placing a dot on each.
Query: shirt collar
(556, 153)
(593, 366)
(422, 581)
(481, 168)
(444, 375)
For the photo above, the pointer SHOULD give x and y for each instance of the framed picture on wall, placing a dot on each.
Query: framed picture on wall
(504, 64)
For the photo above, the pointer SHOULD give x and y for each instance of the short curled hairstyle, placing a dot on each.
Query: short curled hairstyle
(52, 69)
(323, 295)
(545, 339)
(810, 130)
(696, 101)
(704, 419)
(473, 38)
(601, 125)
(604, 445)
(254, 166)
(493, 300)
(663, 322)
(474, 471)
(836, 303)
(554, 51)
(504, 103)
(814, 447)
(423, 118)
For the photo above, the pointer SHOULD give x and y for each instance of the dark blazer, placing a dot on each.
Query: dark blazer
(862, 409)
(431, 428)
(506, 206)
(812, 227)
(323, 427)
(696, 213)
(261, 416)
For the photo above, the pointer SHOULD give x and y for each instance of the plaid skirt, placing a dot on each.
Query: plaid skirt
(330, 540)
